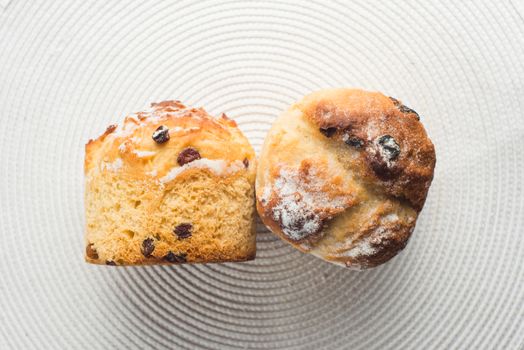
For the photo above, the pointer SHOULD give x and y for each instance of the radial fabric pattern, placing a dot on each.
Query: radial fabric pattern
(70, 68)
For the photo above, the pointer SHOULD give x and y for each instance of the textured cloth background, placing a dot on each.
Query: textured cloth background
(70, 68)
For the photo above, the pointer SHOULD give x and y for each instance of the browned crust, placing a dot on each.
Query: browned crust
(230, 121)
(368, 116)
(331, 188)
(386, 247)
(265, 214)
(169, 105)
(386, 240)
(274, 226)
(364, 118)
(159, 261)
(174, 114)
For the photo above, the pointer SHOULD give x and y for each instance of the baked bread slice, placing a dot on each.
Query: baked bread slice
(171, 185)
(343, 175)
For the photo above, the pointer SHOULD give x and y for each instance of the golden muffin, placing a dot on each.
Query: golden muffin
(171, 185)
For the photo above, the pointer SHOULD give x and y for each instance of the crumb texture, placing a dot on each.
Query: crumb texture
(170, 186)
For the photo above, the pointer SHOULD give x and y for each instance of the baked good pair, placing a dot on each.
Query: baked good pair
(342, 174)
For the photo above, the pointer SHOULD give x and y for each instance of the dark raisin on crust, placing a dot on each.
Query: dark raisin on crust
(183, 230)
(404, 108)
(328, 132)
(110, 262)
(246, 162)
(187, 156)
(382, 170)
(353, 141)
(175, 258)
(91, 252)
(395, 101)
(161, 134)
(148, 247)
(389, 148)
(110, 128)
(302, 224)
(299, 223)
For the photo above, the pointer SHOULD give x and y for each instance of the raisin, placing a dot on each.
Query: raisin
(246, 162)
(161, 134)
(148, 247)
(395, 101)
(389, 148)
(406, 109)
(175, 258)
(187, 156)
(403, 108)
(298, 223)
(382, 170)
(183, 230)
(328, 132)
(110, 129)
(354, 141)
(110, 263)
(91, 252)
(302, 227)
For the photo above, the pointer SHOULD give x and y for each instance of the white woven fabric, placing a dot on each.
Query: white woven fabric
(70, 68)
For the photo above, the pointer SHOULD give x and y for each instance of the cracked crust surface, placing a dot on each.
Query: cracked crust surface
(343, 175)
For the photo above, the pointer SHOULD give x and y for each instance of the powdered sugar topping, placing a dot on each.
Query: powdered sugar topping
(392, 217)
(135, 120)
(362, 248)
(218, 166)
(301, 200)
(127, 127)
(152, 173)
(144, 154)
(266, 194)
(113, 166)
